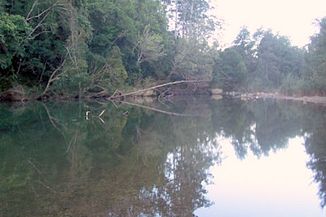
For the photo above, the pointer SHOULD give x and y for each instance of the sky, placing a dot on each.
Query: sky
(292, 18)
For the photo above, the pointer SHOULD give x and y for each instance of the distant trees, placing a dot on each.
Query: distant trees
(262, 61)
(276, 59)
(265, 61)
(316, 60)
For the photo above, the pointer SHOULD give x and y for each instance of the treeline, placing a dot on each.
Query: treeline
(264, 61)
(74, 47)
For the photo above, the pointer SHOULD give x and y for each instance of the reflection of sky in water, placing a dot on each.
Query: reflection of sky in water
(279, 185)
(53, 162)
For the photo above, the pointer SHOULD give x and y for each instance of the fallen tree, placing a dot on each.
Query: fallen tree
(118, 95)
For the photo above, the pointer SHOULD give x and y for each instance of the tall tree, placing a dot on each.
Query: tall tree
(230, 70)
(276, 59)
(316, 58)
(191, 19)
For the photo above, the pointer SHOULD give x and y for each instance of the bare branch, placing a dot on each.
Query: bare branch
(53, 77)
(40, 14)
(34, 36)
(31, 11)
(37, 26)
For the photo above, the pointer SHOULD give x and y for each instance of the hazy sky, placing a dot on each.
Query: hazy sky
(293, 18)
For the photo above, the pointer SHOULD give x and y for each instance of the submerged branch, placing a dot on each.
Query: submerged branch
(158, 110)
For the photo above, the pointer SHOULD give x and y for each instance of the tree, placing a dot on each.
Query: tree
(150, 47)
(191, 61)
(191, 18)
(245, 45)
(276, 59)
(14, 31)
(230, 70)
(113, 74)
(316, 59)
(44, 45)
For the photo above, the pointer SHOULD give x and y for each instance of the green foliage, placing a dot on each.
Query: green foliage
(316, 59)
(118, 43)
(292, 85)
(118, 74)
(260, 62)
(192, 61)
(150, 47)
(192, 19)
(276, 60)
(74, 45)
(113, 74)
(43, 44)
(85, 35)
(230, 70)
(13, 33)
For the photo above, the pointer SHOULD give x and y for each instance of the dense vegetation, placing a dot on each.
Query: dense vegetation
(267, 61)
(73, 47)
(80, 45)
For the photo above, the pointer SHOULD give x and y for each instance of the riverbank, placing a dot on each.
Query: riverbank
(170, 89)
(321, 100)
(165, 89)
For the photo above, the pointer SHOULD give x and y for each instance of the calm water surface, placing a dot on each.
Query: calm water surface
(194, 157)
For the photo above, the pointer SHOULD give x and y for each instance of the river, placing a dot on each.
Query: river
(185, 157)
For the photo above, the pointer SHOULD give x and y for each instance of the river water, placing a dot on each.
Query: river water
(186, 157)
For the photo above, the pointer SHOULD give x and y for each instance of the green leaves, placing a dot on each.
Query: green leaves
(101, 41)
(13, 33)
(230, 70)
(191, 61)
(150, 46)
(191, 19)
(316, 59)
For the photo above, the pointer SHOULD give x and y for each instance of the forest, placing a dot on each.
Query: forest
(77, 47)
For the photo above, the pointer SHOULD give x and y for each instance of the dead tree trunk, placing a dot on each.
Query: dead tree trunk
(154, 88)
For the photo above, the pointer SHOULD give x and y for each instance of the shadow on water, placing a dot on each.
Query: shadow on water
(129, 161)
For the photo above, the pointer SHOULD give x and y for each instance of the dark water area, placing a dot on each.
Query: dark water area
(200, 157)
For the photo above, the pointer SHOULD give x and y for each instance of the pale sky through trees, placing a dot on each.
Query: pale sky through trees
(292, 18)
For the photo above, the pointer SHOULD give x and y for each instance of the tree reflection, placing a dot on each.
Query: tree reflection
(53, 162)
(265, 126)
(315, 142)
(118, 167)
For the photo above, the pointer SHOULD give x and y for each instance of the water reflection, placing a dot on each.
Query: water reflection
(254, 187)
(137, 162)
